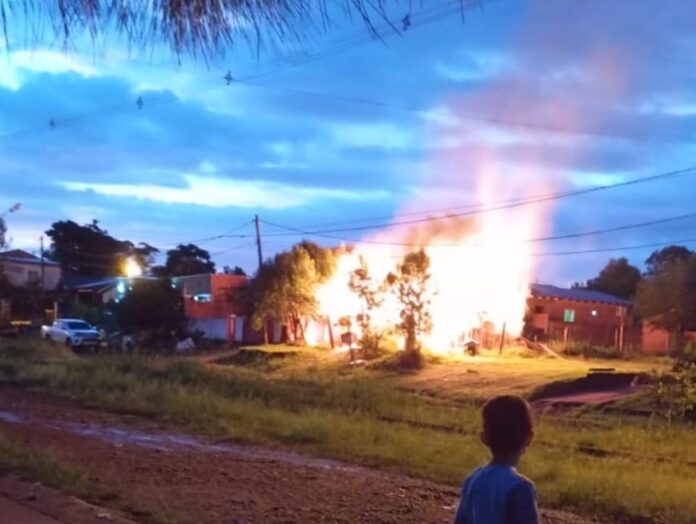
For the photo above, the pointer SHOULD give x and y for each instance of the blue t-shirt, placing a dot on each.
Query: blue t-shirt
(497, 494)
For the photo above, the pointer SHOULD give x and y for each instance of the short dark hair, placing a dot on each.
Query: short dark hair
(507, 424)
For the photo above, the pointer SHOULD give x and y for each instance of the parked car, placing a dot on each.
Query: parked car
(74, 333)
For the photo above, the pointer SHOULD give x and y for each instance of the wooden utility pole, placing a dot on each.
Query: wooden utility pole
(43, 267)
(258, 239)
(502, 339)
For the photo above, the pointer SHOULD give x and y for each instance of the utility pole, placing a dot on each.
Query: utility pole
(43, 266)
(258, 239)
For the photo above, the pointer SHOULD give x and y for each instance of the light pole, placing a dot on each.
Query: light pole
(3, 228)
(16, 207)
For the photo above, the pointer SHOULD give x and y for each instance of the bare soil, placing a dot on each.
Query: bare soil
(191, 479)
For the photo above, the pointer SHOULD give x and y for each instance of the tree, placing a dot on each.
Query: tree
(617, 278)
(236, 270)
(3, 234)
(90, 250)
(667, 297)
(664, 256)
(152, 305)
(410, 283)
(199, 27)
(284, 288)
(372, 295)
(87, 249)
(186, 259)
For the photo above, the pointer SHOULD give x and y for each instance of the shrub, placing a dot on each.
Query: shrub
(676, 393)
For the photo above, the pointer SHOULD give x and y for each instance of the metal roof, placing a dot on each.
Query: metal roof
(17, 256)
(580, 295)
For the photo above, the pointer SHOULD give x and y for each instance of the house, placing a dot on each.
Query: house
(22, 269)
(210, 307)
(581, 315)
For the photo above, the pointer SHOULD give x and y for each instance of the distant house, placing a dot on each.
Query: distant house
(210, 307)
(22, 268)
(581, 315)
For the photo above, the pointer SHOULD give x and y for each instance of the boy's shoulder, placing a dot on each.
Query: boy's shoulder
(503, 476)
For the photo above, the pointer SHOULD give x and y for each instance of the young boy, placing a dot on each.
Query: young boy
(496, 493)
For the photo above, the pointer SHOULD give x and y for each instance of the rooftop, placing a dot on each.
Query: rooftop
(19, 256)
(580, 295)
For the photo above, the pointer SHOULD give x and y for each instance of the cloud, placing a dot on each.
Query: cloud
(382, 135)
(223, 192)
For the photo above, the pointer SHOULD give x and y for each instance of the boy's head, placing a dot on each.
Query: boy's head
(507, 425)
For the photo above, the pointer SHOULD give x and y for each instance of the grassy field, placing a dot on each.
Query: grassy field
(424, 424)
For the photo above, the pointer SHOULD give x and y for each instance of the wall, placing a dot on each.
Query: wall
(219, 288)
(594, 323)
(20, 274)
(212, 328)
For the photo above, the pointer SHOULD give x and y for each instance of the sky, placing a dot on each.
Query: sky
(542, 97)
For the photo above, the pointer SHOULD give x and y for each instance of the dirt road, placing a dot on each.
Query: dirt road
(192, 479)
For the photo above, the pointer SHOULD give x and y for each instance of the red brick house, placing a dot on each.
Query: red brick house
(580, 315)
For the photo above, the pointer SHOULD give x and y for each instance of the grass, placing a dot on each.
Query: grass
(424, 424)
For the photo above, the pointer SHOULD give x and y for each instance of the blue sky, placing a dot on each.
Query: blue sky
(604, 90)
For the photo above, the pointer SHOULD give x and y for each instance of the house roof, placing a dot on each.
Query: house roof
(579, 295)
(19, 256)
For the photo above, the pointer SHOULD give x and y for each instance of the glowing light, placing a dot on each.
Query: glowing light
(480, 266)
(132, 269)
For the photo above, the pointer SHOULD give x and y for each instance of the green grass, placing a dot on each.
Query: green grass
(424, 424)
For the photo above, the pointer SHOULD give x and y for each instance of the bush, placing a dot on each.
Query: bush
(676, 393)
(578, 349)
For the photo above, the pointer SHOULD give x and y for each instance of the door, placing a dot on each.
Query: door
(239, 329)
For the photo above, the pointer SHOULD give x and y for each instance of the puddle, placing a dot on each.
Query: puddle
(186, 443)
(174, 442)
(6, 416)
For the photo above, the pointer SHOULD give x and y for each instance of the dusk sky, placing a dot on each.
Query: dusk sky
(547, 96)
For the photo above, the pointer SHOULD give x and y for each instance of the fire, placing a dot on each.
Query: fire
(480, 265)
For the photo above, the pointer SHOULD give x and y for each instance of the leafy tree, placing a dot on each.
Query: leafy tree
(199, 27)
(372, 296)
(3, 234)
(617, 278)
(410, 283)
(236, 270)
(667, 297)
(87, 249)
(90, 250)
(186, 259)
(284, 288)
(152, 305)
(664, 256)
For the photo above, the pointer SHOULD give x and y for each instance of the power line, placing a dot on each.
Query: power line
(348, 44)
(461, 120)
(618, 248)
(530, 240)
(501, 205)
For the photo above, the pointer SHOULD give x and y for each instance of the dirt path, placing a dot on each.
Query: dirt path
(23, 502)
(195, 480)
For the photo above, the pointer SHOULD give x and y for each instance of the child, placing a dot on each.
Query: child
(496, 493)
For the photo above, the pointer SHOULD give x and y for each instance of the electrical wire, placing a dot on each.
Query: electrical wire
(498, 206)
(530, 240)
(222, 81)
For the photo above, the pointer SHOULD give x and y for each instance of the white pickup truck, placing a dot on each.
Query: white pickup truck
(71, 332)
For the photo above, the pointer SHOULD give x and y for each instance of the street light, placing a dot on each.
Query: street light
(131, 268)
(12, 209)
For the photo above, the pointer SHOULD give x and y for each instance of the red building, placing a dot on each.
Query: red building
(581, 315)
(210, 307)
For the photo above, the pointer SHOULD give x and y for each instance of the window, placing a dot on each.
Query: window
(569, 316)
(594, 312)
(32, 275)
(539, 310)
